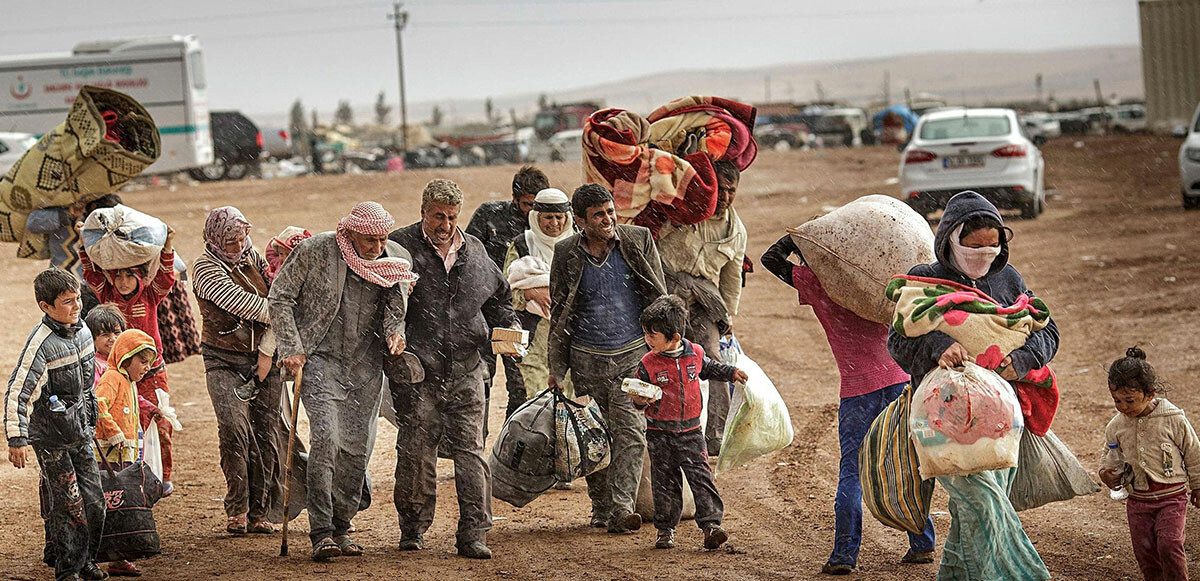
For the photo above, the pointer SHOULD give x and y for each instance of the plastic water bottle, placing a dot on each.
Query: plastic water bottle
(1114, 453)
(56, 405)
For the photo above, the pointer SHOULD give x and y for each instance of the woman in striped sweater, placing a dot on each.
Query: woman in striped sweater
(231, 286)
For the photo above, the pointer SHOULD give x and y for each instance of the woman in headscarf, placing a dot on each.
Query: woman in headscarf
(986, 540)
(527, 267)
(231, 285)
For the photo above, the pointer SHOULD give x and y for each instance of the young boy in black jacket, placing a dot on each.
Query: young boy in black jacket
(673, 436)
(50, 405)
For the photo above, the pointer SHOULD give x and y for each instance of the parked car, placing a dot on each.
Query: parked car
(567, 145)
(277, 143)
(1072, 122)
(237, 147)
(1037, 123)
(972, 149)
(1129, 118)
(12, 147)
(1189, 165)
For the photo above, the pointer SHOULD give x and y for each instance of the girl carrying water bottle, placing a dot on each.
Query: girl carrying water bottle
(1153, 452)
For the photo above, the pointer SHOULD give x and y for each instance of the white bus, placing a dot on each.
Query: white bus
(165, 74)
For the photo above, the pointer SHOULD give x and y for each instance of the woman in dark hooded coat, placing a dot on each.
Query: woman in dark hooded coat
(986, 540)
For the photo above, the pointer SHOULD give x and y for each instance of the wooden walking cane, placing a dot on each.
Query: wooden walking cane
(287, 477)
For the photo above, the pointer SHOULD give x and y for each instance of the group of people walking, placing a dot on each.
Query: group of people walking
(371, 311)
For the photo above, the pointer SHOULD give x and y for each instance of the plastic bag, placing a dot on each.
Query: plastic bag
(759, 422)
(121, 237)
(581, 439)
(1047, 472)
(152, 450)
(168, 412)
(965, 421)
(522, 458)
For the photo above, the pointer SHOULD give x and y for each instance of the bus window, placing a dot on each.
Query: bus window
(197, 66)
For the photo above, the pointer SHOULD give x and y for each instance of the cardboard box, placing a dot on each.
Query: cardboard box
(510, 335)
(641, 388)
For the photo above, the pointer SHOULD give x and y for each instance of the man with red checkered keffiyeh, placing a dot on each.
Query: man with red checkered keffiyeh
(337, 307)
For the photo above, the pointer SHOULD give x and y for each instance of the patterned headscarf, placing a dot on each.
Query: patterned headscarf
(225, 225)
(371, 219)
(285, 241)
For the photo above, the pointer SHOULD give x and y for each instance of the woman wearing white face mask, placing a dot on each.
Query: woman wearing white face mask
(986, 540)
(527, 267)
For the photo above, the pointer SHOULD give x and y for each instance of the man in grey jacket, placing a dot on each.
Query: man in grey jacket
(461, 295)
(600, 281)
(337, 309)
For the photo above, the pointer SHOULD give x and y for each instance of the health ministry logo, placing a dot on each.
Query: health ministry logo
(20, 90)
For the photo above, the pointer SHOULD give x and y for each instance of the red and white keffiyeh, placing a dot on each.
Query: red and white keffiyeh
(371, 219)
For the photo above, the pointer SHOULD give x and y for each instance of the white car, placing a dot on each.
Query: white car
(12, 147)
(983, 150)
(1189, 165)
(567, 145)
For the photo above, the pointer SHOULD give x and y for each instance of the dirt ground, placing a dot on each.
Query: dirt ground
(1114, 256)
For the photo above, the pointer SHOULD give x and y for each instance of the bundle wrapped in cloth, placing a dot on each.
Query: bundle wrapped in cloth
(856, 249)
(121, 237)
(107, 139)
(660, 168)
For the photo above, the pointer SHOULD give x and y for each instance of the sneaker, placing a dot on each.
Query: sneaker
(666, 539)
(168, 489)
(474, 550)
(629, 522)
(714, 537)
(247, 391)
(598, 522)
(413, 543)
(837, 569)
(917, 558)
(93, 572)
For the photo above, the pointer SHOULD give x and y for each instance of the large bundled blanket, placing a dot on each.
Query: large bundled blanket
(107, 139)
(987, 329)
(529, 272)
(660, 168)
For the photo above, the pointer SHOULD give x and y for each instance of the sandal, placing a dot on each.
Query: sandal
(325, 549)
(236, 525)
(261, 527)
(348, 547)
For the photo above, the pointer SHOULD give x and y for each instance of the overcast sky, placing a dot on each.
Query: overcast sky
(261, 55)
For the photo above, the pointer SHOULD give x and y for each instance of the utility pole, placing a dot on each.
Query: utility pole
(887, 87)
(767, 87)
(399, 19)
(1103, 106)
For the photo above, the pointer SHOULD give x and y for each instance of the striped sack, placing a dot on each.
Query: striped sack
(888, 470)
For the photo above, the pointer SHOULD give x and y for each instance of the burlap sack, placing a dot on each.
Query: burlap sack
(74, 162)
(854, 251)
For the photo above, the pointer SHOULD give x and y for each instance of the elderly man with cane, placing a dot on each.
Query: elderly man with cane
(461, 295)
(338, 308)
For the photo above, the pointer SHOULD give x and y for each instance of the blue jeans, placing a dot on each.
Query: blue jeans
(855, 415)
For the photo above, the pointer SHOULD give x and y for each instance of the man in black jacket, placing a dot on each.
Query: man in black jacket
(460, 296)
(496, 225)
(600, 281)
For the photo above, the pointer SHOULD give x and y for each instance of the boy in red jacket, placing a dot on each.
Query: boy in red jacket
(138, 300)
(673, 434)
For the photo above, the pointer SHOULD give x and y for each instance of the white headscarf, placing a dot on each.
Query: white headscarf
(541, 246)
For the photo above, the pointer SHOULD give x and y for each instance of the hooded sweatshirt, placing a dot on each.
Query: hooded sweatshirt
(117, 399)
(918, 355)
(140, 308)
(1161, 447)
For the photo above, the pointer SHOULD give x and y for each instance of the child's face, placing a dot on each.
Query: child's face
(104, 343)
(659, 342)
(1131, 402)
(65, 309)
(125, 281)
(137, 367)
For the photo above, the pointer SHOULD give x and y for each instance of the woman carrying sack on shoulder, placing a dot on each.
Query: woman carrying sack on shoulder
(231, 285)
(986, 540)
(527, 267)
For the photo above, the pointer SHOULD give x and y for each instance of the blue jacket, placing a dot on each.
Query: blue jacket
(919, 355)
(57, 360)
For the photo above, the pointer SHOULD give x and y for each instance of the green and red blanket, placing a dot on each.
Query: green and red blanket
(988, 330)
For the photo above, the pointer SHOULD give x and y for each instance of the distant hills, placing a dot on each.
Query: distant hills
(973, 78)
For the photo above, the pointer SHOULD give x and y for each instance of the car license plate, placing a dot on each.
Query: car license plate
(962, 161)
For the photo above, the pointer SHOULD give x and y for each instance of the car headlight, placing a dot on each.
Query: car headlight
(1193, 153)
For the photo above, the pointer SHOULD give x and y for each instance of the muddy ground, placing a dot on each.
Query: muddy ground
(1114, 256)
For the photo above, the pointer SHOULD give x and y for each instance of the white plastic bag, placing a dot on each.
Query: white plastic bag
(168, 412)
(152, 450)
(758, 423)
(965, 421)
(121, 237)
